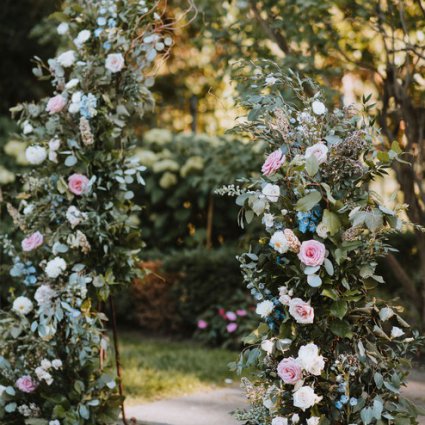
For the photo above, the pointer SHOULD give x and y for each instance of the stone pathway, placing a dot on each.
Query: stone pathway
(214, 407)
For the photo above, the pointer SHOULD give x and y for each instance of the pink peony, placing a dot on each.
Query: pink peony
(301, 311)
(55, 104)
(241, 312)
(78, 184)
(312, 253)
(290, 371)
(202, 324)
(231, 316)
(273, 162)
(32, 242)
(231, 327)
(26, 384)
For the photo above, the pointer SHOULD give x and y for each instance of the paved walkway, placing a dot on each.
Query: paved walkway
(214, 407)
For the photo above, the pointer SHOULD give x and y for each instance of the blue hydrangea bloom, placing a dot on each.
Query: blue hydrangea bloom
(338, 405)
(101, 21)
(25, 270)
(353, 401)
(97, 32)
(107, 45)
(112, 23)
(344, 399)
(307, 221)
(88, 106)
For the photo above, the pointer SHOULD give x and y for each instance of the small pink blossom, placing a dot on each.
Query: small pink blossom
(55, 104)
(273, 162)
(312, 253)
(32, 242)
(301, 311)
(231, 327)
(241, 312)
(26, 384)
(290, 371)
(78, 184)
(202, 324)
(222, 313)
(231, 316)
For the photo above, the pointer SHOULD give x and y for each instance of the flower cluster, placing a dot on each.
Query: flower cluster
(76, 201)
(325, 352)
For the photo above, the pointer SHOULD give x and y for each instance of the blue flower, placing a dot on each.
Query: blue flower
(25, 270)
(112, 23)
(353, 401)
(97, 32)
(107, 45)
(88, 106)
(307, 221)
(344, 399)
(341, 387)
(101, 21)
(338, 405)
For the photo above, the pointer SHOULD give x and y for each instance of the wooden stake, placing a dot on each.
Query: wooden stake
(117, 357)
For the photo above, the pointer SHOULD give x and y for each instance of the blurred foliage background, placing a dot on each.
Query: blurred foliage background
(351, 47)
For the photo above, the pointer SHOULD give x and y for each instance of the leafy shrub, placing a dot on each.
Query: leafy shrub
(183, 172)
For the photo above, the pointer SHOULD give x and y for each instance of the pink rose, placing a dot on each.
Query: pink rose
(273, 162)
(290, 371)
(55, 104)
(241, 312)
(301, 311)
(202, 324)
(312, 253)
(78, 184)
(231, 316)
(231, 327)
(26, 384)
(32, 242)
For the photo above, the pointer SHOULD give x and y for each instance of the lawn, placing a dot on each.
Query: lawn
(158, 368)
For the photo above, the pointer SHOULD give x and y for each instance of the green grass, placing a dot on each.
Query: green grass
(158, 368)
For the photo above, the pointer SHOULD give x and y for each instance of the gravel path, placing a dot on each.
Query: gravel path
(214, 407)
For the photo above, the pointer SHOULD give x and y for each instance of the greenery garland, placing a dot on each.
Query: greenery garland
(79, 242)
(327, 351)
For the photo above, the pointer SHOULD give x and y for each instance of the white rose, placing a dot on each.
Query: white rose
(22, 305)
(55, 422)
(322, 230)
(44, 294)
(305, 397)
(295, 418)
(66, 59)
(318, 107)
(57, 364)
(75, 216)
(82, 37)
(28, 128)
(311, 361)
(386, 313)
(271, 192)
(268, 220)
(72, 83)
(279, 421)
(319, 150)
(267, 346)
(46, 364)
(279, 242)
(265, 308)
(314, 420)
(114, 62)
(55, 267)
(35, 155)
(62, 28)
(396, 332)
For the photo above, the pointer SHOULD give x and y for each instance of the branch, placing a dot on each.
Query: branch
(404, 279)
(277, 37)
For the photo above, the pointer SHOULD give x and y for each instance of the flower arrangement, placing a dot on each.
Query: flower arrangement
(325, 352)
(79, 244)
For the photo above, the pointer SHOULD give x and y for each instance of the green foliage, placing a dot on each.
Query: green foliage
(315, 264)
